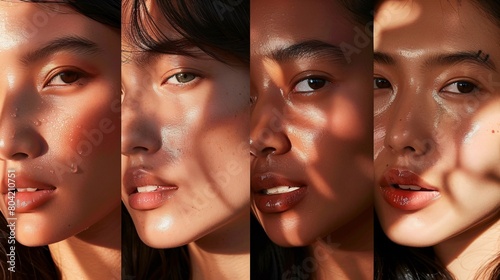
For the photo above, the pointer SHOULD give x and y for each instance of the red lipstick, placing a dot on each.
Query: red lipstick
(405, 190)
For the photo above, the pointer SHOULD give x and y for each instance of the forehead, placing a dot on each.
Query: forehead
(283, 22)
(24, 25)
(421, 26)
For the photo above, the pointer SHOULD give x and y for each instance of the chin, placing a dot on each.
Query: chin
(411, 240)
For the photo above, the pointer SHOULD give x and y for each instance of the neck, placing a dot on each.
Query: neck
(224, 254)
(93, 253)
(347, 253)
(469, 253)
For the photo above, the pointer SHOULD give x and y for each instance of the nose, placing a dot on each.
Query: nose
(140, 135)
(268, 134)
(409, 125)
(19, 138)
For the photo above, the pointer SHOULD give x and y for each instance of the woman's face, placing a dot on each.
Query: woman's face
(437, 113)
(59, 122)
(311, 127)
(185, 145)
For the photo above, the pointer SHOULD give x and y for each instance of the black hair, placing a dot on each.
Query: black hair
(220, 29)
(394, 261)
(37, 262)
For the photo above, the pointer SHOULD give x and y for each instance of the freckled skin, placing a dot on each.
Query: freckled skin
(425, 125)
(55, 127)
(323, 139)
(194, 136)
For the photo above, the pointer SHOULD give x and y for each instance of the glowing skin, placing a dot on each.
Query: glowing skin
(190, 134)
(59, 122)
(445, 132)
(317, 140)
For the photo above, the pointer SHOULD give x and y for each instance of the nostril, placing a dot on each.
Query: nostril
(268, 150)
(139, 149)
(410, 148)
(19, 156)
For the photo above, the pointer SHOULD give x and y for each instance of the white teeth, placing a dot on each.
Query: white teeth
(26, 189)
(280, 189)
(410, 187)
(147, 189)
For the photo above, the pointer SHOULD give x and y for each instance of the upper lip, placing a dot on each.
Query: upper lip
(138, 177)
(22, 181)
(267, 180)
(396, 176)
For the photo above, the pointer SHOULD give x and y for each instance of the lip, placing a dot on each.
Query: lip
(407, 200)
(135, 178)
(276, 203)
(26, 201)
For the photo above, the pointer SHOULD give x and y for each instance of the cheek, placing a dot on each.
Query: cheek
(85, 133)
(350, 118)
(480, 150)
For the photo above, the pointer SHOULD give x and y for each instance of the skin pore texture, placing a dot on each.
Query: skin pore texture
(185, 125)
(437, 116)
(59, 127)
(311, 133)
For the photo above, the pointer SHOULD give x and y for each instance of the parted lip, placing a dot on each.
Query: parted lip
(268, 180)
(139, 177)
(399, 176)
(23, 181)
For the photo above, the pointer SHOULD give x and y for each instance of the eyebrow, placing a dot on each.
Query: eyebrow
(73, 44)
(383, 58)
(139, 57)
(460, 57)
(308, 49)
(444, 59)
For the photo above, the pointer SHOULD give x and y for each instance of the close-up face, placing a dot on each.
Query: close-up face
(311, 126)
(437, 119)
(59, 120)
(184, 143)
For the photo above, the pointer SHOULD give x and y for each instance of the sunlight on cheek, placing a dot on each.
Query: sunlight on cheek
(345, 122)
(480, 150)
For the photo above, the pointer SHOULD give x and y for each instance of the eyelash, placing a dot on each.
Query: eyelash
(322, 83)
(457, 84)
(446, 88)
(59, 75)
(375, 86)
(175, 78)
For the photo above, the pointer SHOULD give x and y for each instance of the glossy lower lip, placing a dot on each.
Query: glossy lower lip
(28, 201)
(407, 200)
(151, 200)
(277, 203)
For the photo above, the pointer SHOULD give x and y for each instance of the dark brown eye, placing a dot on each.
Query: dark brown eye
(65, 78)
(309, 85)
(460, 87)
(69, 77)
(379, 83)
(465, 87)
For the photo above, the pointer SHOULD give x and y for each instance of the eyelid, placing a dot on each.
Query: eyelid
(306, 80)
(310, 74)
(58, 71)
(454, 83)
(173, 76)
